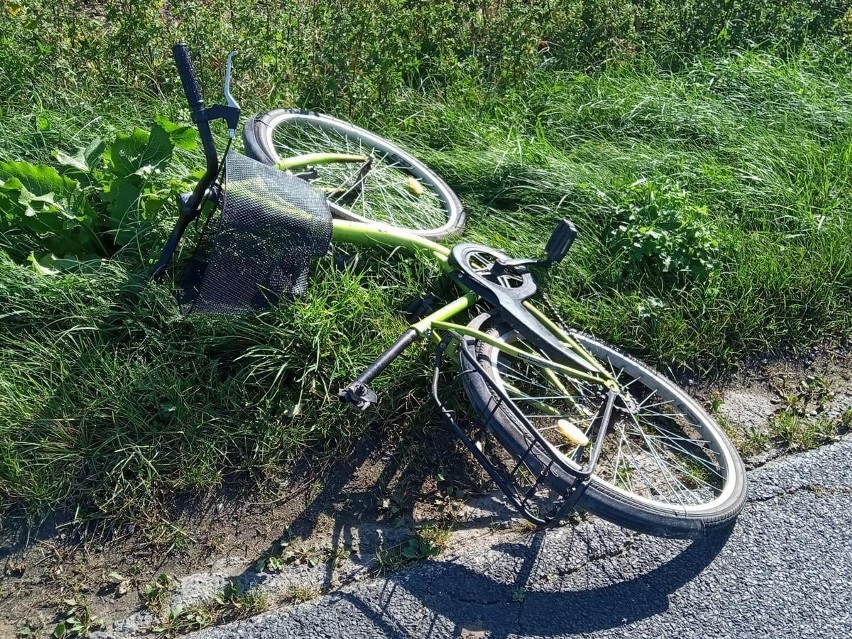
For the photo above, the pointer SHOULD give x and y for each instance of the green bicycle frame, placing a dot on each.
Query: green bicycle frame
(302, 161)
(433, 324)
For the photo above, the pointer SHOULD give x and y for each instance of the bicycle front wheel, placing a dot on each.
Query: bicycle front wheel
(666, 467)
(395, 190)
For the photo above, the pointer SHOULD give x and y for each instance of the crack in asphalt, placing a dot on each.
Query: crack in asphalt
(815, 489)
(592, 557)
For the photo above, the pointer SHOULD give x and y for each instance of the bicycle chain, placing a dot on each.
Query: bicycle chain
(559, 320)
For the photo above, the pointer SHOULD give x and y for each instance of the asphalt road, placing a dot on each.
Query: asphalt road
(784, 571)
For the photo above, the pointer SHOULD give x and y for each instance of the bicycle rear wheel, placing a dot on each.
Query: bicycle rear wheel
(666, 467)
(397, 191)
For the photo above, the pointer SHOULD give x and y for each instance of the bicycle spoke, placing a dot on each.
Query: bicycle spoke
(651, 449)
(385, 194)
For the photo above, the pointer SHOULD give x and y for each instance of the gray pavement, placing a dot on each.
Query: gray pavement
(784, 571)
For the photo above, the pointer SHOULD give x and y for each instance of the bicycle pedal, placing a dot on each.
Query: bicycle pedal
(358, 396)
(560, 241)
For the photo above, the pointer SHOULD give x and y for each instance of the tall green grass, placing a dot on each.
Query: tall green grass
(734, 166)
(110, 397)
(750, 149)
(357, 55)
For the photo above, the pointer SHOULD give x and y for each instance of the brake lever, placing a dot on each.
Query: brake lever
(228, 97)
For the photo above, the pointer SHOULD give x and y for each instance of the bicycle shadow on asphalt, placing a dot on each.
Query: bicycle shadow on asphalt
(462, 602)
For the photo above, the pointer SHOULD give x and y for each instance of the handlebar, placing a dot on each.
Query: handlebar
(190, 204)
(192, 89)
(186, 71)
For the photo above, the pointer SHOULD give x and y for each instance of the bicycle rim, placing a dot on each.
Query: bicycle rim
(395, 190)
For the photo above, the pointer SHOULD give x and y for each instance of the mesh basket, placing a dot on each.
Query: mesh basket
(257, 245)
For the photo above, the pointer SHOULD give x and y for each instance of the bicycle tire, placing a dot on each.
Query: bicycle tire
(428, 208)
(700, 442)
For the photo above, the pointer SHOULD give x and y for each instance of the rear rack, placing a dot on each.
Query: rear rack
(523, 479)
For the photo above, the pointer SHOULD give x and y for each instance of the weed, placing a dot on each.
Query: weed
(269, 564)
(450, 504)
(301, 594)
(302, 556)
(519, 595)
(427, 541)
(77, 620)
(156, 594)
(716, 402)
(658, 228)
(234, 602)
(816, 390)
(237, 601)
(388, 559)
(524, 525)
(181, 619)
(793, 403)
(800, 433)
(120, 583)
(336, 556)
(101, 198)
(753, 442)
(392, 507)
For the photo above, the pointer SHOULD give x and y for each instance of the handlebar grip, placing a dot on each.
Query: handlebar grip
(188, 78)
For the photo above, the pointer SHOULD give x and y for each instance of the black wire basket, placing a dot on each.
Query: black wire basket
(257, 243)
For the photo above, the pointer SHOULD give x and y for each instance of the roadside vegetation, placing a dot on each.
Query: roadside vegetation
(703, 151)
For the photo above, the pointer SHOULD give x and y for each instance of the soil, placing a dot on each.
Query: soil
(815, 385)
(329, 524)
(347, 512)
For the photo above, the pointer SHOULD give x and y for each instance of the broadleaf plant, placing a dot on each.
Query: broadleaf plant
(663, 233)
(95, 201)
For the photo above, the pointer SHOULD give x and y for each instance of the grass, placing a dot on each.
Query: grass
(233, 602)
(301, 594)
(801, 423)
(749, 149)
(426, 541)
(710, 197)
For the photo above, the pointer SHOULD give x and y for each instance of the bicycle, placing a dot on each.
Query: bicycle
(558, 419)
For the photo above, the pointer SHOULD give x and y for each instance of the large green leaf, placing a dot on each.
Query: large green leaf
(182, 136)
(139, 152)
(41, 222)
(126, 154)
(84, 159)
(23, 209)
(123, 199)
(38, 179)
(50, 264)
(10, 200)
